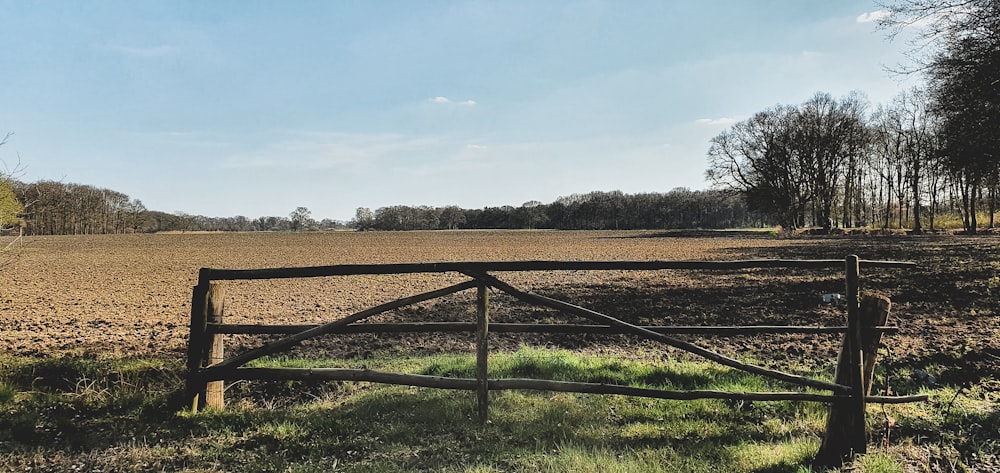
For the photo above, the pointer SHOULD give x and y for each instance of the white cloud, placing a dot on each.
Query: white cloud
(475, 147)
(149, 52)
(724, 121)
(873, 16)
(446, 100)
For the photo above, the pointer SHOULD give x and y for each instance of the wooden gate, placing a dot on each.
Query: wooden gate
(849, 391)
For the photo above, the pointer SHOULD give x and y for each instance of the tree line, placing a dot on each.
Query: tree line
(615, 210)
(299, 219)
(56, 208)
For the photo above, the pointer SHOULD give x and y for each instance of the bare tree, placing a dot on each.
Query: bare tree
(11, 208)
(301, 219)
(757, 158)
(364, 219)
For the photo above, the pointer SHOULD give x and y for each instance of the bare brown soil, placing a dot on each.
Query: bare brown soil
(130, 295)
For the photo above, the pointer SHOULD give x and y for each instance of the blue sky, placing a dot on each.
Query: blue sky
(227, 108)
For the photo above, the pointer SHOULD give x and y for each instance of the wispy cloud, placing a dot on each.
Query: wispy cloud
(446, 100)
(724, 121)
(149, 52)
(873, 16)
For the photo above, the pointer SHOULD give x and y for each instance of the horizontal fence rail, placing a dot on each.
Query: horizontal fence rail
(850, 390)
(459, 327)
(208, 274)
(471, 384)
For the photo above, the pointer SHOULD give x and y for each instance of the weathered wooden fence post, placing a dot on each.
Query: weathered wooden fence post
(204, 348)
(196, 341)
(858, 431)
(846, 426)
(482, 351)
(874, 313)
(214, 343)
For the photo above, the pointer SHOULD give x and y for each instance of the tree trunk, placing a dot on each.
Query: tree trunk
(992, 203)
(973, 224)
(915, 188)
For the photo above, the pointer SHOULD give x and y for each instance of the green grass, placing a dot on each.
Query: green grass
(69, 413)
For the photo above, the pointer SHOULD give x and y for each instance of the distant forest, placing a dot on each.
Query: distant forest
(55, 208)
(679, 208)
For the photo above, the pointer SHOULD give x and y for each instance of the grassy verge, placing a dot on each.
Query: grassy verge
(67, 413)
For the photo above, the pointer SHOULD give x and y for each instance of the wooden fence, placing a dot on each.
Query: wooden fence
(849, 391)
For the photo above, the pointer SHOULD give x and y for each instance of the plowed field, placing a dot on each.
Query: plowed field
(130, 295)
